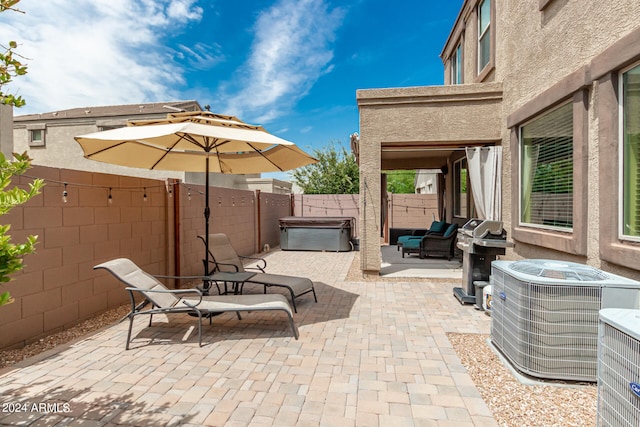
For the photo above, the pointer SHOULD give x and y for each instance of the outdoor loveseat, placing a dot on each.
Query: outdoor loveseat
(436, 228)
(433, 244)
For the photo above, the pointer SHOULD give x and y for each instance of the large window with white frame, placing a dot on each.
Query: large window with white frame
(546, 170)
(484, 34)
(630, 152)
(456, 66)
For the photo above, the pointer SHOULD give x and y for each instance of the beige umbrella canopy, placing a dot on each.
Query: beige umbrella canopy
(198, 141)
(194, 142)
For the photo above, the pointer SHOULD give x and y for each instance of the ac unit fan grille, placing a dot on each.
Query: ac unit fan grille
(559, 270)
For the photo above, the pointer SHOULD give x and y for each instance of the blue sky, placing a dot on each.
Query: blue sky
(291, 65)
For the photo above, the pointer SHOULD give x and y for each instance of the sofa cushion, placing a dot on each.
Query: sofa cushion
(412, 244)
(450, 230)
(438, 227)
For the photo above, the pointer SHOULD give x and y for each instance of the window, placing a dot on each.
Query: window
(36, 135)
(107, 127)
(456, 66)
(630, 149)
(484, 34)
(546, 170)
(460, 201)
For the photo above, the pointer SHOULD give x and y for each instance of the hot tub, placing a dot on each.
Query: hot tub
(316, 233)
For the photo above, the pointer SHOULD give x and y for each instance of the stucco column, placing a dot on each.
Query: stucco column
(370, 258)
(6, 131)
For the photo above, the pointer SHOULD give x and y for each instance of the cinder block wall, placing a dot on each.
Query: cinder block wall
(58, 288)
(412, 210)
(272, 208)
(405, 210)
(328, 205)
(232, 212)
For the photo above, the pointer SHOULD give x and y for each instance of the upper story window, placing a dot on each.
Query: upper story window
(456, 66)
(484, 34)
(37, 134)
(630, 152)
(546, 170)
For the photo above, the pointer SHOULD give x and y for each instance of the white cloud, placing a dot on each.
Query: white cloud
(291, 51)
(97, 52)
(83, 53)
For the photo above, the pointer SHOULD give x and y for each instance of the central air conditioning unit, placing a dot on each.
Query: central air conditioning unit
(619, 368)
(544, 315)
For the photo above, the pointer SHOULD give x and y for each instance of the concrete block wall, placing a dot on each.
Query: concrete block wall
(328, 205)
(412, 210)
(405, 210)
(233, 212)
(58, 286)
(272, 208)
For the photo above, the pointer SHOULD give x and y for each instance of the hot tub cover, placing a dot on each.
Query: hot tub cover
(316, 222)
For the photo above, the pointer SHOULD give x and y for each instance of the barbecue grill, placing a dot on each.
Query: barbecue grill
(481, 241)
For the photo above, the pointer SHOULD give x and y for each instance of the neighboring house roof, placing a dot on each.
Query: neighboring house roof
(113, 111)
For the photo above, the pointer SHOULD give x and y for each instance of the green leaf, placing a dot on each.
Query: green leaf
(5, 299)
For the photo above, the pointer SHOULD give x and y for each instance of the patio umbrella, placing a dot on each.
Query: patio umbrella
(198, 141)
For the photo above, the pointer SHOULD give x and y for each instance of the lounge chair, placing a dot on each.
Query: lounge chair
(224, 258)
(433, 245)
(169, 301)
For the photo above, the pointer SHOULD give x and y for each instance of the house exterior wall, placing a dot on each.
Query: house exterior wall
(60, 150)
(370, 228)
(573, 52)
(570, 48)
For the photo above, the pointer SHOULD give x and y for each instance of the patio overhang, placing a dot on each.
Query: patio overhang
(421, 127)
(425, 127)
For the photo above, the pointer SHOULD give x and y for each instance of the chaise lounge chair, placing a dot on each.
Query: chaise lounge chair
(169, 301)
(224, 258)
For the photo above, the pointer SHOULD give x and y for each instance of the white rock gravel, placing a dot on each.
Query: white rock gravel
(517, 404)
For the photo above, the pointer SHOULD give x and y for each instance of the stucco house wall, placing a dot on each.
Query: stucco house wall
(60, 150)
(543, 53)
(566, 45)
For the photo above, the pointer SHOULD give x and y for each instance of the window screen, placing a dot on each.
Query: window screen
(631, 152)
(546, 174)
(484, 37)
(456, 66)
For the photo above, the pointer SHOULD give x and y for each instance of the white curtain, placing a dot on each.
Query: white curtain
(485, 169)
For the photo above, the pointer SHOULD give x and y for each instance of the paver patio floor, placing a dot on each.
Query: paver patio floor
(370, 353)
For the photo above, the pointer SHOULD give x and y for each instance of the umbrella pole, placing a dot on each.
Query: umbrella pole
(207, 213)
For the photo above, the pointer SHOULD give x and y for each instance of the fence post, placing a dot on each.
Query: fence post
(258, 222)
